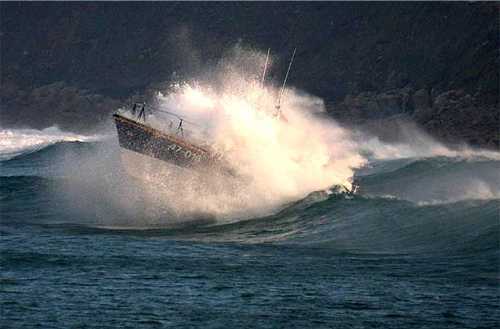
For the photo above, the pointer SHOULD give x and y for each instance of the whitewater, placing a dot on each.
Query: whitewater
(15, 142)
(91, 168)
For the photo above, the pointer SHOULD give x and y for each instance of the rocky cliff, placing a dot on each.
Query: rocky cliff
(433, 63)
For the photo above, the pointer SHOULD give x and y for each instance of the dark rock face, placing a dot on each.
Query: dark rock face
(456, 113)
(369, 61)
(69, 107)
(453, 116)
(372, 105)
(422, 102)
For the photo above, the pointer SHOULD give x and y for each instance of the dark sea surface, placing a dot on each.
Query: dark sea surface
(417, 247)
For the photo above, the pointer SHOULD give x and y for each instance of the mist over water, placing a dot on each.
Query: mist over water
(415, 143)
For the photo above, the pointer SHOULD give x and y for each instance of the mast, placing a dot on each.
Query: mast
(282, 91)
(265, 69)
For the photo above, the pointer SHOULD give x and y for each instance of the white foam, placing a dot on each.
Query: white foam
(475, 190)
(418, 144)
(285, 159)
(15, 142)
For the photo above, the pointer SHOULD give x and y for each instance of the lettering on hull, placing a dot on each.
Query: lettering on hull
(140, 138)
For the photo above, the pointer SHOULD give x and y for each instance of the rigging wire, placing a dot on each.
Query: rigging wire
(282, 91)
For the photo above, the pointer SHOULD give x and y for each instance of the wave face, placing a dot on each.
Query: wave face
(80, 236)
(16, 142)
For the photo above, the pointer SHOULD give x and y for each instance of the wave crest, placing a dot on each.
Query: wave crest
(16, 142)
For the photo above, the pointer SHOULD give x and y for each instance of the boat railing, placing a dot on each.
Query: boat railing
(175, 124)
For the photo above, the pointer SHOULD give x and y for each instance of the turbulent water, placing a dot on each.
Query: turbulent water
(81, 247)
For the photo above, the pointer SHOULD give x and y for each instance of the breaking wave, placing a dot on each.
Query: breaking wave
(16, 142)
(432, 180)
(415, 143)
(405, 206)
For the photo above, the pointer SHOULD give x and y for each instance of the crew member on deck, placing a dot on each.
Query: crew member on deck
(180, 129)
(142, 113)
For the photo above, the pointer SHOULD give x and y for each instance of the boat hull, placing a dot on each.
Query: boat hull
(151, 142)
(149, 169)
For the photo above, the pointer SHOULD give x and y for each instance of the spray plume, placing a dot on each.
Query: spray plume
(278, 159)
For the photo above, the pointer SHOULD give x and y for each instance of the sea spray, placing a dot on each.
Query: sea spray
(277, 159)
(284, 157)
(413, 142)
(15, 142)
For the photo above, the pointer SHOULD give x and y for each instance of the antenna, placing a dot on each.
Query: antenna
(282, 91)
(265, 69)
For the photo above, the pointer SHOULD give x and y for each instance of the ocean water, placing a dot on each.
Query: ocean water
(417, 247)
